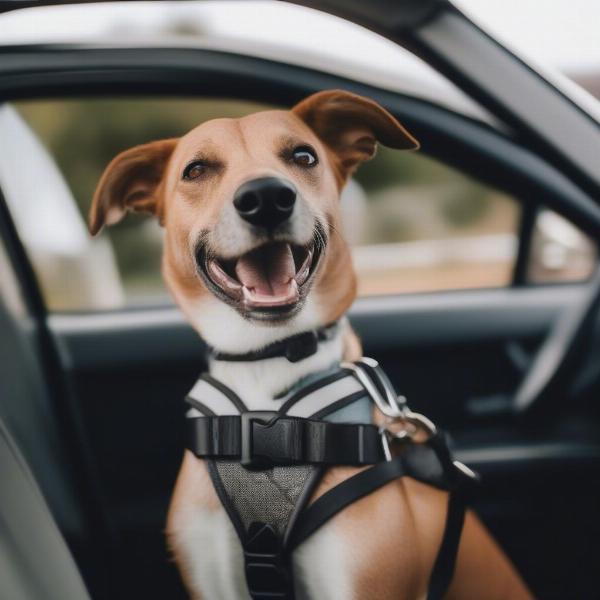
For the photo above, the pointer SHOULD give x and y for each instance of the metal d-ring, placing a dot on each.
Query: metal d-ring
(388, 436)
(385, 443)
(389, 405)
(420, 421)
(394, 408)
(392, 398)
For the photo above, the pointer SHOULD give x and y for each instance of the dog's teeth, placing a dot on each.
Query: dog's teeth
(254, 298)
(265, 277)
(219, 274)
(304, 270)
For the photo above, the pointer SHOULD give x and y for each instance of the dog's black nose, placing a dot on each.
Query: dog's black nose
(265, 202)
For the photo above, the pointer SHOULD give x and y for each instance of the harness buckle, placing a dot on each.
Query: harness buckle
(247, 420)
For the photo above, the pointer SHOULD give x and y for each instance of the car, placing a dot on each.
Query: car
(478, 271)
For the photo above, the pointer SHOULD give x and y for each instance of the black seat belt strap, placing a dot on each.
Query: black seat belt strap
(443, 568)
(370, 480)
(342, 495)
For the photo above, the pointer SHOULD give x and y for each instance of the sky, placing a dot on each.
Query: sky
(561, 33)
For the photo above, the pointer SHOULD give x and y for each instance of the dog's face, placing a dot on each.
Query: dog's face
(251, 206)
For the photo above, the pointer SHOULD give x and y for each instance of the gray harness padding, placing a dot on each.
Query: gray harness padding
(268, 496)
(268, 504)
(276, 495)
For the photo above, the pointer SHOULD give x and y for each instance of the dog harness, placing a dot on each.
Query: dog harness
(265, 464)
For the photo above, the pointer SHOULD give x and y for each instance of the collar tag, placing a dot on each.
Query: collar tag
(301, 346)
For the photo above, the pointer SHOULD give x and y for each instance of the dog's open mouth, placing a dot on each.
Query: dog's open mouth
(269, 278)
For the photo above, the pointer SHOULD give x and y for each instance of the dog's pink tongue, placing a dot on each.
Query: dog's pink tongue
(268, 271)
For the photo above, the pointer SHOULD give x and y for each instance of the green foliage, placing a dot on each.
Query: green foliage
(391, 167)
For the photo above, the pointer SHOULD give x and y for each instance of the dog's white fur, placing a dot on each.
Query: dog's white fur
(257, 382)
(215, 563)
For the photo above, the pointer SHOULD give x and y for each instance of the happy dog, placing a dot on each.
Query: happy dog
(255, 258)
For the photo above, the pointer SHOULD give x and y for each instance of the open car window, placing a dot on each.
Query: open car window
(415, 225)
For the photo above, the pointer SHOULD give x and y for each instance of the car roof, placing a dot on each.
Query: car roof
(269, 30)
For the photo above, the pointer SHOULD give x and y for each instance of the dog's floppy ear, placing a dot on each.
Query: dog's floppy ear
(351, 125)
(130, 184)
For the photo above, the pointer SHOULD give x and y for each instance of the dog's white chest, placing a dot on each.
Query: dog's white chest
(215, 563)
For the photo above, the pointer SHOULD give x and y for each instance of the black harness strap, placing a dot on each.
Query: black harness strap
(264, 439)
(341, 496)
(311, 387)
(443, 568)
(428, 462)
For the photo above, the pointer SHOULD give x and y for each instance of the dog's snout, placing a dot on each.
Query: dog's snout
(265, 202)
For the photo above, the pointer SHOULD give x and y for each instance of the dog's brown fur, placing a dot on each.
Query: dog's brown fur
(394, 533)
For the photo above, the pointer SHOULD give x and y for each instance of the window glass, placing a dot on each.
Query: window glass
(427, 227)
(562, 35)
(83, 136)
(415, 225)
(560, 252)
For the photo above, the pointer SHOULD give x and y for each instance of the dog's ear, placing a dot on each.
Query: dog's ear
(131, 183)
(351, 126)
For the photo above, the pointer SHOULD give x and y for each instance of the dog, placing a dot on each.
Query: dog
(254, 253)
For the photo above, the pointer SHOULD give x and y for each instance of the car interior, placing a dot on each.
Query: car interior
(91, 410)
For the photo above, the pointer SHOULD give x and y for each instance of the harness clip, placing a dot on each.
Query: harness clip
(247, 420)
(378, 387)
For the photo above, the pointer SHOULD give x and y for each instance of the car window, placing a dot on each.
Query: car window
(559, 252)
(121, 267)
(415, 225)
(420, 226)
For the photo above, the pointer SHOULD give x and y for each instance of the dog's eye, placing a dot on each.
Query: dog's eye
(304, 156)
(194, 170)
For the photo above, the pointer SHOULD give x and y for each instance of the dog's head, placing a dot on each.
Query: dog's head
(251, 208)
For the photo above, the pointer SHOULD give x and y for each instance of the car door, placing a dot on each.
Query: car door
(457, 355)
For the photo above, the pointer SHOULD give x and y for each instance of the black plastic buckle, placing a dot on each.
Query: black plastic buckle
(301, 346)
(267, 573)
(247, 419)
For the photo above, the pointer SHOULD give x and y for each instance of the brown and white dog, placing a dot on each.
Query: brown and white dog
(253, 254)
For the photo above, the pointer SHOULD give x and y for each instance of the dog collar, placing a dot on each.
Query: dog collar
(295, 348)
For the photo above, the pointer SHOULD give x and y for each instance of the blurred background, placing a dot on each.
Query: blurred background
(74, 386)
(415, 225)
